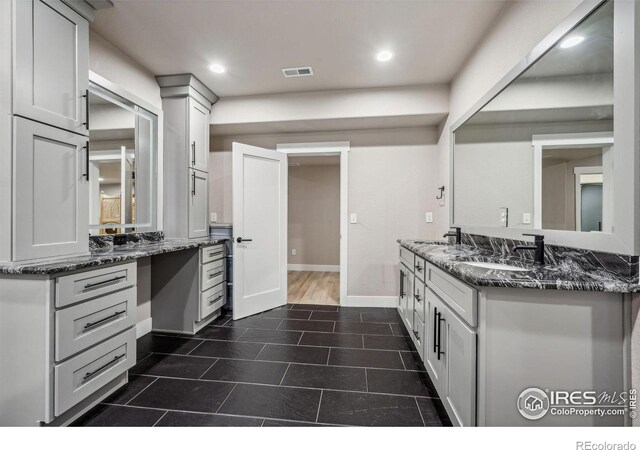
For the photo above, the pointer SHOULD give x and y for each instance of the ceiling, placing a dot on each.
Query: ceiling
(254, 40)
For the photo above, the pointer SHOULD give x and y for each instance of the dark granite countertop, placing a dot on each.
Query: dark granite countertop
(102, 254)
(574, 270)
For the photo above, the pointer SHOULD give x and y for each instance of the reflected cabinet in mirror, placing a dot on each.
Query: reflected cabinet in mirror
(540, 153)
(122, 164)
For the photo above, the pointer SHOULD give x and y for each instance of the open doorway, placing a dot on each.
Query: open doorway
(314, 230)
(317, 232)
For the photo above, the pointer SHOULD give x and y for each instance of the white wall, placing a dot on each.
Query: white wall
(392, 183)
(109, 62)
(515, 32)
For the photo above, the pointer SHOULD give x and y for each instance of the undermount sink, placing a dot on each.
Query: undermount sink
(496, 266)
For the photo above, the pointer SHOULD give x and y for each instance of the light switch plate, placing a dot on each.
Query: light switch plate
(429, 217)
(526, 218)
(503, 217)
(353, 218)
(214, 217)
(293, 252)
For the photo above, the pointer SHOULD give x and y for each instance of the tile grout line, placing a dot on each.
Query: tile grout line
(300, 340)
(242, 334)
(206, 371)
(402, 360)
(194, 348)
(161, 417)
(328, 357)
(319, 405)
(420, 412)
(366, 379)
(255, 358)
(144, 389)
(284, 374)
(227, 398)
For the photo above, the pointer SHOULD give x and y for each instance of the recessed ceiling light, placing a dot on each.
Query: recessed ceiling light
(217, 68)
(384, 56)
(571, 41)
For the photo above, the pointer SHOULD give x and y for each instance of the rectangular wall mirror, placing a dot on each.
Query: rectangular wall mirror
(122, 163)
(539, 155)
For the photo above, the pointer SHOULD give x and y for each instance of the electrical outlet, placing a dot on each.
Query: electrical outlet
(293, 252)
(354, 218)
(214, 217)
(526, 218)
(504, 217)
(429, 217)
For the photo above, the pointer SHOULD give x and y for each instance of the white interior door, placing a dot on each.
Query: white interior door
(260, 230)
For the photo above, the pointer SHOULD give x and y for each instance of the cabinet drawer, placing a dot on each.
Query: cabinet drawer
(87, 372)
(417, 335)
(74, 288)
(212, 300)
(212, 253)
(88, 323)
(419, 267)
(462, 299)
(418, 298)
(407, 256)
(211, 274)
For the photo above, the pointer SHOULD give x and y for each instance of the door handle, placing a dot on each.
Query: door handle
(440, 319)
(86, 167)
(193, 153)
(193, 191)
(241, 240)
(86, 107)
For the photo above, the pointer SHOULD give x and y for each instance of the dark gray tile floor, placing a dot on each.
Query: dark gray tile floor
(299, 365)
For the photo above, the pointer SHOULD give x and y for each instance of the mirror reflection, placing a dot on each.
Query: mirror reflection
(121, 164)
(540, 153)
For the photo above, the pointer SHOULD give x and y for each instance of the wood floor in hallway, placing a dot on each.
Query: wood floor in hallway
(316, 288)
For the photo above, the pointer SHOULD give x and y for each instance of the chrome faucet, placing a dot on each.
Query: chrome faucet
(538, 247)
(457, 233)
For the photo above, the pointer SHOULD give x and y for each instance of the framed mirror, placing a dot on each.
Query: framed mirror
(123, 161)
(544, 150)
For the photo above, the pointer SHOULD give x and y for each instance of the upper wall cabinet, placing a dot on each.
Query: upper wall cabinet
(198, 136)
(51, 64)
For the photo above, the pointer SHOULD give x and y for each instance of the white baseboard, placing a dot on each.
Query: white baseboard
(143, 327)
(372, 301)
(314, 267)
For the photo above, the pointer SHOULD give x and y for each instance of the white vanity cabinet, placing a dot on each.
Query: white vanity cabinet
(51, 192)
(483, 346)
(51, 64)
(68, 341)
(186, 104)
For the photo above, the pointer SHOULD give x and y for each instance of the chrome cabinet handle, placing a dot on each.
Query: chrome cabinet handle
(435, 329)
(240, 240)
(418, 268)
(193, 153)
(86, 107)
(100, 283)
(439, 352)
(86, 166)
(417, 296)
(216, 253)
(101, 368)
(415, 333)
(211, 275)
(193, 191)
(101, 321)
(211, 302)
(401, 283)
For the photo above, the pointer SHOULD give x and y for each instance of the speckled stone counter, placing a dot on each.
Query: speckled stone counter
(106, 250)
(566, 268)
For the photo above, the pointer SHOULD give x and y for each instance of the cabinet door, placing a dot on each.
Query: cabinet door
(51, 64)
(198, 204)
(198, 136)
(434, 358)
(51, 193)
(460, 347)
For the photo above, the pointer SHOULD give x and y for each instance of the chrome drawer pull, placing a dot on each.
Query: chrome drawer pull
(100, 283)
(214, 254)
(417, 296)
(106, 319)
(215, 300)
(211, 275)
(100, 369)
(418, 268)
(415, 333)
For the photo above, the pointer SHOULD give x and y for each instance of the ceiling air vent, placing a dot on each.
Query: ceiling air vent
(297, 72)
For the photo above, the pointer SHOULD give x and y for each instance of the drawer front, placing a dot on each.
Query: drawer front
(462, 299)
(88, 323)
(211, 274)
(417, 335)
(407, 257)
(418, 298)
(81, 286)
(211, 253)
(212, 300)
(87, 372)
(419, 267)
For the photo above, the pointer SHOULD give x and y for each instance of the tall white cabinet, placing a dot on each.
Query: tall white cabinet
(44, 151)
(186, 104)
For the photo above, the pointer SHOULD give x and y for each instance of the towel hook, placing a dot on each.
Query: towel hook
(441, 189)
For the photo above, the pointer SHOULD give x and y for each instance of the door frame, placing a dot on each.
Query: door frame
(330, 149)
(577, 171)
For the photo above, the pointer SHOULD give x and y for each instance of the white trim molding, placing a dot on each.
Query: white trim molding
(331, 149)
(381, 301)
(314, 267)
(144, 327)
